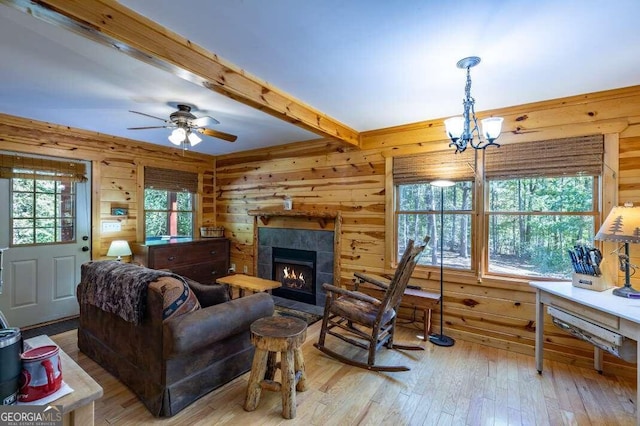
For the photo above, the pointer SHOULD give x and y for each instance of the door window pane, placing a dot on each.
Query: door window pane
(36, 207)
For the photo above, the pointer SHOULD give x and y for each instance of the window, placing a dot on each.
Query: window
(418, 214)
(42, 197)
(532, 202)
(418, 206)
(169, 202)
(168, 213)
(538, 210)
(533, 222)
(42, 211)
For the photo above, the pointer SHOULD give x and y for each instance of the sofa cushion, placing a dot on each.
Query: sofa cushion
(177, 297)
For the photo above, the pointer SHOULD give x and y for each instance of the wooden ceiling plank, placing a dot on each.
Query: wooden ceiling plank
(114, 25)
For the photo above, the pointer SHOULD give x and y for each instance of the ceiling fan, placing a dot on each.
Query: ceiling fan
(185, 127)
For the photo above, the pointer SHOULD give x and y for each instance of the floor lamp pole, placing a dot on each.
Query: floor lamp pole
(441, 339)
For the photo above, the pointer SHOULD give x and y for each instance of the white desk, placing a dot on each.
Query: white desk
(602, 307)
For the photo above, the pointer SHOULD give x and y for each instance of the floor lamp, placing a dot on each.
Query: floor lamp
(441, 339)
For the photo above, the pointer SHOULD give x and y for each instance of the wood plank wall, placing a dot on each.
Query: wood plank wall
(325, 175)
(117, 171)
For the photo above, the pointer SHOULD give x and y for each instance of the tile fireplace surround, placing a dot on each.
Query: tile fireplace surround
(300, 239)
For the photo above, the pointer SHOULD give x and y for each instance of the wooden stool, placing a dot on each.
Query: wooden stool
(271, 335)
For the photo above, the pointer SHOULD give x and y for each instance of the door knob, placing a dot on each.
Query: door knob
(85, 248)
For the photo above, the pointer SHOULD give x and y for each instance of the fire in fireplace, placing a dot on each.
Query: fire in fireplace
(296, 270)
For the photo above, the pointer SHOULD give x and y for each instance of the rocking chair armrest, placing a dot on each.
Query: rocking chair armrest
(376, 280)
(353, 294)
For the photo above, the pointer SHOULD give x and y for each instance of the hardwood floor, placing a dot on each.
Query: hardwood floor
(467, 384)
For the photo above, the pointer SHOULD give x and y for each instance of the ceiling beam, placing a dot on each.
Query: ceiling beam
(116, 26)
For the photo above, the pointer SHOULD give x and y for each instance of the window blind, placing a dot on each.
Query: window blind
(434, 165)
(550, 158)
(170, 180)
(17, 166)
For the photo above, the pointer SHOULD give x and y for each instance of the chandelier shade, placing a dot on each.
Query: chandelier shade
(464, 130)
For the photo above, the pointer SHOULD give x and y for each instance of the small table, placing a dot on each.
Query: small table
(271, 335)
(417, 299)
(247, 282)
(78, 406)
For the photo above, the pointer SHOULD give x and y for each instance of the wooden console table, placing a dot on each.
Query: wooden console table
(78, 406)
(611, 313)
(247, 282)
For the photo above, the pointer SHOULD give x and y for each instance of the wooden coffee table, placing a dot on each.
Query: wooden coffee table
(246, 282)
(78, 406)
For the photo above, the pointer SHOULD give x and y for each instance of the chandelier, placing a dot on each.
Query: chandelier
(460, 129)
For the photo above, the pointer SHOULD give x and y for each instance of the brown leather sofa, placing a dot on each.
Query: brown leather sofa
(169, 362)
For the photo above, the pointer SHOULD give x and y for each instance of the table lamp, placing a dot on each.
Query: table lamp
(622, 226)
(119, 248)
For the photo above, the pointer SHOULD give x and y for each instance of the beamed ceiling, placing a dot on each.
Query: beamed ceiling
(282, 71)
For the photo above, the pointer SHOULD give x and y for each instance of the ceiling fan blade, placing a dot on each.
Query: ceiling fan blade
(151, 116)
(204, 121)
(216, 134)
(149, 127)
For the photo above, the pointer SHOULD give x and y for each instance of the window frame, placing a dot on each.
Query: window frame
(57, 217)
(605, 195)
(595, 212)
(471, 213)
(172, 197)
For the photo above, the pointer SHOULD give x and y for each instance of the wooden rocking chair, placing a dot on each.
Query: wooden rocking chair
(363, 320)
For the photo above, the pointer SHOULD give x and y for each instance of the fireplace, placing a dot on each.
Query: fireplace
(296, 270)
(319, 243)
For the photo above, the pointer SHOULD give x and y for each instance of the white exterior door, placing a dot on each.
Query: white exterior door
(39, 281)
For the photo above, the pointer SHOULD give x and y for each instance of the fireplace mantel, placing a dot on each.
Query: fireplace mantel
(320, 216)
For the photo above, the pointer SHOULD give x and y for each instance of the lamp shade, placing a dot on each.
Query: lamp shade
(177, 136)
(193, 138)
(491, 127)
(119, 248)
(622, 225)
(442, 183)
(454, 127)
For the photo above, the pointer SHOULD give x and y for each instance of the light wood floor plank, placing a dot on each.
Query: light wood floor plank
(467, 384)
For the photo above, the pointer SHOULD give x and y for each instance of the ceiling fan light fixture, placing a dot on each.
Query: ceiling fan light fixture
(185, 127)
(177, 136)
(193, 138)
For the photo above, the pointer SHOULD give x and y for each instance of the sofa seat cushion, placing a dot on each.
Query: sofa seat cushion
(178, 299)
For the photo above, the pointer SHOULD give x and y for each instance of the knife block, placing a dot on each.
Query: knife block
(591, 282)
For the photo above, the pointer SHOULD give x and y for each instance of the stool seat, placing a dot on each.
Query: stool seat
(272, 335)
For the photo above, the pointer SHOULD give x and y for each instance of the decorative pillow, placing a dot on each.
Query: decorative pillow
(177, 297)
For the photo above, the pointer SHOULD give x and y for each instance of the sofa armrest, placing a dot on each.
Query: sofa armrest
(208, 295)
(196, 330)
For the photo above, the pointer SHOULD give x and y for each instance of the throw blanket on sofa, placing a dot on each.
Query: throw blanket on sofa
(119, 288)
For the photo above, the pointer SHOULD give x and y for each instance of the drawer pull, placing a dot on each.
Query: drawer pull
(213, 252)
(214, 272)
(170, 258)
